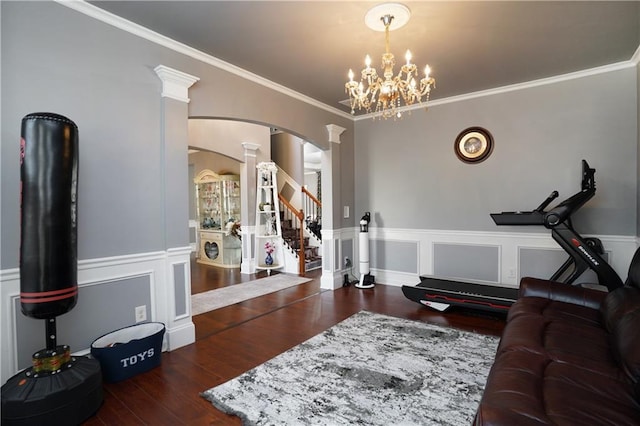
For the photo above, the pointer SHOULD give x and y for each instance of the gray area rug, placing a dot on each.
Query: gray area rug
(370, 369)
(226, 296)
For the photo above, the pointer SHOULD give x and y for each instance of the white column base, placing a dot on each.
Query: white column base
(180, 336)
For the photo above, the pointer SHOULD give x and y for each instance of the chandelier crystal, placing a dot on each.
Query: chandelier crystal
(385, 96)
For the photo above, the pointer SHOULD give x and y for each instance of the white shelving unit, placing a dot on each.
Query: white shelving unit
(268, 230)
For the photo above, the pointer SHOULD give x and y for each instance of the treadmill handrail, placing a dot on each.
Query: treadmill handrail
(546, 202)
(559, 213)
(562, 211)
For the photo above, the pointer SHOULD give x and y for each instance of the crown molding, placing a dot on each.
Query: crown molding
(636, 56)
(519, 86)
(147, 34)
(143, 32)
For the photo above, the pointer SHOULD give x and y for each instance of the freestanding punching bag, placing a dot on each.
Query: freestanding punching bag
(48, 233)
(59, 388)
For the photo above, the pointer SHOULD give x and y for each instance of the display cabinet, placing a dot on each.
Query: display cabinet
(218, 202)
(269, 250)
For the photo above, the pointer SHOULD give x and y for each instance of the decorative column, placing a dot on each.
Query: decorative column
(173, 291)
(331, 276)
(248, 182)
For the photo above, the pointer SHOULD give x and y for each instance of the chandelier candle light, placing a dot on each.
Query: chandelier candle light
(385, 96)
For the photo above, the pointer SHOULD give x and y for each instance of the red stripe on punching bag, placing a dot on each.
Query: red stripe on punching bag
(48, 296)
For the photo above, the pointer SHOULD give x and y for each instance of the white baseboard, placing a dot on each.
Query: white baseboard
(180, 336)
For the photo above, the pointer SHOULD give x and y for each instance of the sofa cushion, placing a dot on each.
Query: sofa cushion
(512, 393)
(594, 399)
(549, 309)
(619, 303)
(626, 344)
(633, 278)
(561, 341)
(526, 388)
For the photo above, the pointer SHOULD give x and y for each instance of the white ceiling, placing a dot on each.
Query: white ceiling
(470, 45)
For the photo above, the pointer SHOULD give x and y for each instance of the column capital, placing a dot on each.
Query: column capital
(334, 132)
(250, 148)
(175, 84)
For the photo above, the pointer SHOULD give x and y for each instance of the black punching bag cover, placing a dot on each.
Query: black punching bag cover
(48, 236)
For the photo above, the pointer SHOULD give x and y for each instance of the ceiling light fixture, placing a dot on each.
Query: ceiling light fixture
(385, 97)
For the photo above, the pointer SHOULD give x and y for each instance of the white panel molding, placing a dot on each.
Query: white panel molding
(248, 265)
(331, 272)
(394, 278)
(158, 266)
(10, 289)
(14, 297)
(619, 247)
(180, 329)
(176, 257)
(193, 224)
(471, 244)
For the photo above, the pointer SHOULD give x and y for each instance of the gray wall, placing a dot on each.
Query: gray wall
(215, 162)
(103, 79)
(116, 107)
(287, 152)
(541, 134)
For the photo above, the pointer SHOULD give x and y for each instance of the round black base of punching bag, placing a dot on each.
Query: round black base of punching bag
(67, 397)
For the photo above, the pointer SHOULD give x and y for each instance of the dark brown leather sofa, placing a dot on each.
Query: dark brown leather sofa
(568, 356)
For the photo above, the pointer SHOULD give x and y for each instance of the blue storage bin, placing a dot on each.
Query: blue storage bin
(129, 351)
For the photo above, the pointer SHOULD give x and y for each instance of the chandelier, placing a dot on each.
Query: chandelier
(386, 96)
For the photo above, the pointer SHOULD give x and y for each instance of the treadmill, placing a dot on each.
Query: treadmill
(584, 253)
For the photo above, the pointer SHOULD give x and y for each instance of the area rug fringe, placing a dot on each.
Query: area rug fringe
(226, 296)
(369, 369)
(228, 410)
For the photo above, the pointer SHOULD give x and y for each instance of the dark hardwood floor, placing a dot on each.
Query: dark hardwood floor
(232, 340)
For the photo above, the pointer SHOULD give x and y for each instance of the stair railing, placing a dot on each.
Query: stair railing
(313, 207)
(290, 213)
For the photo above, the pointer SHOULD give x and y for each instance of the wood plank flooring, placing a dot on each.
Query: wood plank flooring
(232, 340)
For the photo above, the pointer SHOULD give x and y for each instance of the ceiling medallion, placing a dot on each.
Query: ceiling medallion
(385, 97)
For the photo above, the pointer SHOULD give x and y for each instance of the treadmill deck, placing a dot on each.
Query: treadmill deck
(456, 293)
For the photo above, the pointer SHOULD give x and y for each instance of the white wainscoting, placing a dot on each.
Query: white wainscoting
(620, 250)
(332, 267)
(168, 272)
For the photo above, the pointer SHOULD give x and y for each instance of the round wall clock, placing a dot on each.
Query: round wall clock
(473, 145)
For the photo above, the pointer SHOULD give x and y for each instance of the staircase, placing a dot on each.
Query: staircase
(300, 230)
(299, 236)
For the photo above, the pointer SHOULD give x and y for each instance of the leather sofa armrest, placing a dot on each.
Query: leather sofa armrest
(552, 290)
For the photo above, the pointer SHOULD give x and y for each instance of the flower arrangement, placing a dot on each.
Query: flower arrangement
(264, 206)
(267, 166)
(269, 247)
(233, 229)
